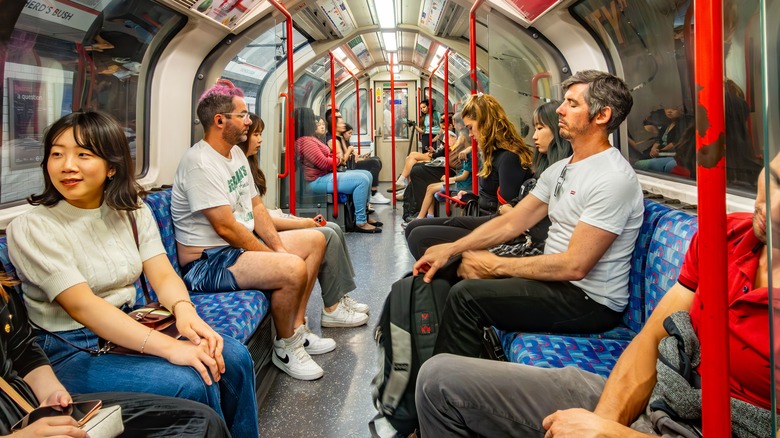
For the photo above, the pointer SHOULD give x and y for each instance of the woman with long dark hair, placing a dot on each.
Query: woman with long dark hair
(77, 257)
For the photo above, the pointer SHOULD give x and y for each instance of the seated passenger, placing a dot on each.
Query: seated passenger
(506, 166)
(216, 209)
(415, 157)
(573, 402)
(336, 275)
(594, 201)
(27, 370)
(349, 157)
(461, 182)
(77, 258)
(318, 170)
(663, 150)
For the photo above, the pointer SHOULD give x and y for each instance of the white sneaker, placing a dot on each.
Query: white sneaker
(378, 198)
(290, 357)
(350, 303)
(314, 344)
(343, 317)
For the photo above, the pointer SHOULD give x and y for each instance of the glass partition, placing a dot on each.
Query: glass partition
(348, 109)
(653, 41)
(523, 72)
(81, 57)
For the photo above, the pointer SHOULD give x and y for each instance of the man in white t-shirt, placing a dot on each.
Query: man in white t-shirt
(594, 201)
(216, 208)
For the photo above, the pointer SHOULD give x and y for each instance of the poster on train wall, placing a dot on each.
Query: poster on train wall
(338, 14)
(225, 12)
(74, 14)
(24, 101)
(533, 9)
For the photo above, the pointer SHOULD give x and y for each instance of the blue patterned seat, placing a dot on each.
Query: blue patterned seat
(655, 265)
(234, 314)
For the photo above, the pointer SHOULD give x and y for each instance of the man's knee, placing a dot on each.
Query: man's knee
(435, 374)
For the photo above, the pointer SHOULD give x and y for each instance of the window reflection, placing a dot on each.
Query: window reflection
(64, 59)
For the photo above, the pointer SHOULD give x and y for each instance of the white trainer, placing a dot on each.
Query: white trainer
(290, 357)
(314, 344)
(378, 198)
(350, 303)
(343, 317)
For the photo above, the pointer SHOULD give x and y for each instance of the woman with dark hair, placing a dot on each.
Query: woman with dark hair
(318, 170)
(424, 127)
(506, 166)
(336, 274)
(27, 370)
(371, 164)
(550, 146)
(90, 205)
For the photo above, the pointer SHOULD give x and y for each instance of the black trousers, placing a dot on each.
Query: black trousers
(148, 415)
(516, 304)
(422, 234)
(373, 165)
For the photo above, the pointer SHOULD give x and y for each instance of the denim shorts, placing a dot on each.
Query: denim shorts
(210, 272)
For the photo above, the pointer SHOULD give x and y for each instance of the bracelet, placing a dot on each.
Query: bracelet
(146, 339)
(173, 307)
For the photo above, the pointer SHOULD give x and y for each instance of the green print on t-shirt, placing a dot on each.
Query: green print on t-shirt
(236, 178)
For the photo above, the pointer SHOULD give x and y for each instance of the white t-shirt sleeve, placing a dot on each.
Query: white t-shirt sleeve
(545, 184)
(610, 203)
(148, 234)
(42, 255)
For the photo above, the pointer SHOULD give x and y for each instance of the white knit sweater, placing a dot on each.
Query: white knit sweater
(55, 248)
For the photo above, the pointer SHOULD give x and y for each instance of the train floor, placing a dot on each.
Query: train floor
(339, 404)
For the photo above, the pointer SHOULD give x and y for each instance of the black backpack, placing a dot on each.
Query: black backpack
(405, 338)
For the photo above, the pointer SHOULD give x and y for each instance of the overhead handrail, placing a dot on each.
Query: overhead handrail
(443, 60)
(290, 140)
(473, 75)
(535, 85)
(286, 169)
(357, 94)
(708, 61)
(333, 135)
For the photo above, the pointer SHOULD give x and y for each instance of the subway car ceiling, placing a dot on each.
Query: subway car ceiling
(525, 49)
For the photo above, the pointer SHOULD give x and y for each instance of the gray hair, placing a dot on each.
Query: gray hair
(604, 90)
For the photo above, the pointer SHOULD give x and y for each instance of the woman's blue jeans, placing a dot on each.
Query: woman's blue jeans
(233, 397)
(658, 164)
(355, 182)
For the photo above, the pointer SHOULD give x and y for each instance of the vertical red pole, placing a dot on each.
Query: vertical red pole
(473, 74)
(446, 132)
(708, 40)
(290, 146)
(357, 93)
(392, 121)
(430, 106)
(333, 135)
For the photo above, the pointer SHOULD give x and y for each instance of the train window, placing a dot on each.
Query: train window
(653, 42)
(401, 102)
(348, 109)
(65, 56)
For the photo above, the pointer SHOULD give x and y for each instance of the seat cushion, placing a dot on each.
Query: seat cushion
(234, 314)
(554, 351)
(160, 204)
(670, 242)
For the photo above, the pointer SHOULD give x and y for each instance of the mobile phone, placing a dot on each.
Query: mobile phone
(319, 219)
(81, 412)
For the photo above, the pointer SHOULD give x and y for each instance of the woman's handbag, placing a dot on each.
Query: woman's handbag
(152, 315)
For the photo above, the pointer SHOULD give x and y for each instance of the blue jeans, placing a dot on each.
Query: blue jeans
(233, 397)
(658, 164)
(355, 182)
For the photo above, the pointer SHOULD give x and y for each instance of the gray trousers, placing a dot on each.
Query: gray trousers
(460, 396)
(336, 276)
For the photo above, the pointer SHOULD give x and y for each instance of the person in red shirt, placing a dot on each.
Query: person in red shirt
(459, 396)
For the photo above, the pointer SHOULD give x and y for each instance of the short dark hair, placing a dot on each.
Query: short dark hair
(604, 90)
(100, 134)
(217, 100)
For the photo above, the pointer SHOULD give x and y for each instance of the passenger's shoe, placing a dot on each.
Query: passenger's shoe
(378, 198)
(399, 196)
(314, 344)
(351, 304)
(343, 317)
(398, 188)
(290, 357)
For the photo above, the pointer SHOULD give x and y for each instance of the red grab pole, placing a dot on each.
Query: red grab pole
(290, 140)
(443, 60)
(392, 117)
(708, 49)
(473, 74)
(333, 135)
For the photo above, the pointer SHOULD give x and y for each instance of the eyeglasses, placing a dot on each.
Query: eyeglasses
(243, 115)
(561, 179)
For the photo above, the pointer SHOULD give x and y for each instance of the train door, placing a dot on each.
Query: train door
(405, 102)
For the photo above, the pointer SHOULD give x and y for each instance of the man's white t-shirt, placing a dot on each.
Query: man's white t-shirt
(205, 179)
(601, 191)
